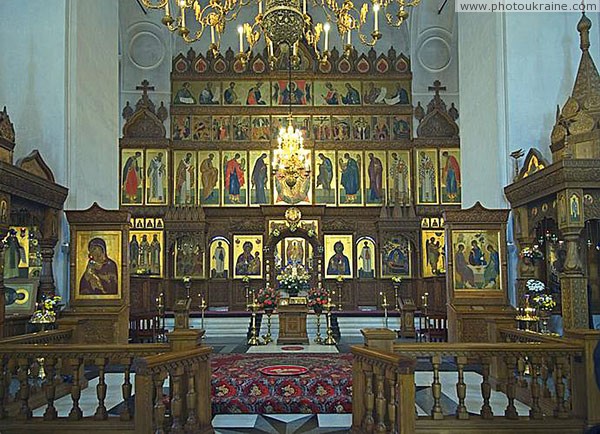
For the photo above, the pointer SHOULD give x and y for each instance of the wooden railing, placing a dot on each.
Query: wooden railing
(45, 337)
(189, 378)
(383, 392)
(45, 372)
(538, 384)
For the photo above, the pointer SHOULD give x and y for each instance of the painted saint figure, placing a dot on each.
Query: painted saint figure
(156, 178)
(132, 177)
(367, 261)
(145, 252)
(184, 95)
(375, 178)
(332, 97)
(451, 175)
(101, 274)
(352, 96)
(245, 260)
(427, 179)
(432, 250)
(184, 187)
(399, 175)
(492, 269)
(295, 253)
(350, 177)
(134, 253)
(325, 175)
(234, 178)
(219, 257)
(462, 268)
(476, 257)
(230, 96)
(338, 264)
(155, 255)
(255, 96)
(209, 175)
(207, 95)
(259, 179)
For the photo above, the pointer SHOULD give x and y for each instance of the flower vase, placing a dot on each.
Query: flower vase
(544, 318)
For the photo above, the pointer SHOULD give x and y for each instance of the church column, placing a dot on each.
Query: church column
(573, 283)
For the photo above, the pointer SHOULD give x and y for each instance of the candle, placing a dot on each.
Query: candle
(326, 27)
(182, 5)
(295, 50)
(304, 7)
(375, 10)
(271, 48)
(212, 34)
(349, 40)
(260, 6)
(167, 8)
(241, 32)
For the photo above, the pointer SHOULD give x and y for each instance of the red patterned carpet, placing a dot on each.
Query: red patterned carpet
(239, 387)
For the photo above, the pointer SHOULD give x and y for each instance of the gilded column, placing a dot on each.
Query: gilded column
(573, 282)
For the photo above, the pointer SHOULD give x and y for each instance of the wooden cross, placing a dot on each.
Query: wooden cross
(145, 87)
(437, 86)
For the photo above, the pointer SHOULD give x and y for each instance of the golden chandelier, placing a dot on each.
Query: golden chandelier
(281, 22)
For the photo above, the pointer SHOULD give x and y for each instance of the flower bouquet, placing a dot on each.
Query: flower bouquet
(268, 298)
(317, 299)
(544, 302)
(293, 279)
(46, 310)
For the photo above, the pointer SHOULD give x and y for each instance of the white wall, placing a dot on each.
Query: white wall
(32, 77)
(513, 71)
(59, 81)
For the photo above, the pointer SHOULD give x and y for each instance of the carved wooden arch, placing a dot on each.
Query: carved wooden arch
(278, 235)
(144, 124)
(35, 164)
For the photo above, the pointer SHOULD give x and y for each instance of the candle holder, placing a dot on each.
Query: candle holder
(203, 306)
(268, 338)
(527, 315)
(329, 340)
(339, 282)
(254, 339)
(160, 317)
(187, 284)
(385, 306)
(396, 291)
(318, 338)
(246, 283)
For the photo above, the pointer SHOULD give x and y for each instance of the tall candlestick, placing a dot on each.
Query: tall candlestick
(241, 32)
(326, 27)
(376, 10)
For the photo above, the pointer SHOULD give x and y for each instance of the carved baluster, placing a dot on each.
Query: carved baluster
(461, 389)
(436, 389)
(24, 389)
(101, 412)
(76, 413)
(392, 399)
(191, 399)
(545, 374)
(511, 411)
(521, 366)
(159, 405)
(50, 389)
(560, 410)
(568, 385)
(369, 422)
(126, 391)
(176, 402)
(535, 412)
(380, 403)
(4, 376)
(486, 389)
